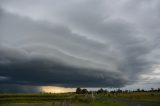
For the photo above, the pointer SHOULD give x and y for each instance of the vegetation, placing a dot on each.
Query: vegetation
(83, 97)
(101, 91)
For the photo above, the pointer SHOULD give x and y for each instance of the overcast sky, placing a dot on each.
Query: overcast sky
(79, 43)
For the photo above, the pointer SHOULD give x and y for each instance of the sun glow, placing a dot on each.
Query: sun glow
(53, 89)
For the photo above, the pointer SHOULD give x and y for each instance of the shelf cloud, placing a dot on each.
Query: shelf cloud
(87, 43)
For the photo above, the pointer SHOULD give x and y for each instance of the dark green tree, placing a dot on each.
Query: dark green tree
(138, 90)
(78, 91)
(84, 91)
(100, 91)
(119, 91)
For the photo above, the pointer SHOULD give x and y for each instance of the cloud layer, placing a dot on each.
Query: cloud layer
(87, 43)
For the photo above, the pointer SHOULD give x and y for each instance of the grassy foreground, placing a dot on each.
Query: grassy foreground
(73, 99)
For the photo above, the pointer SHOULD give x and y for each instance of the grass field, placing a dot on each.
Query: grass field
(72, 99)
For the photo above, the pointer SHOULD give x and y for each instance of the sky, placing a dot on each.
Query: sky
(59, 45)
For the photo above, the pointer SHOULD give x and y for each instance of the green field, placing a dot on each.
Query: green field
(72, 99)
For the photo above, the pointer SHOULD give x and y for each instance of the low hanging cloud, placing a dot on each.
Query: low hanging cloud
(59, 43)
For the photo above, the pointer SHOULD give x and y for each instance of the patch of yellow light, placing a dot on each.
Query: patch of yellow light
(53, 89)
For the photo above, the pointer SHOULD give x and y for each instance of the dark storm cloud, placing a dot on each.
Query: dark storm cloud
(38, 64)
(103, 44)
(14, 88)
(44, 72)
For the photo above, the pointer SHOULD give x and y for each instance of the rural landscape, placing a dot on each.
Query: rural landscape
(79, 52)
(82, 97)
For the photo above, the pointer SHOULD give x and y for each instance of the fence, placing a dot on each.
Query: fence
(54, 103)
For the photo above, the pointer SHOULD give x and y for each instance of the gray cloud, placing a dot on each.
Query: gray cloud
(15, 88)
(44, 71)
(103, 44)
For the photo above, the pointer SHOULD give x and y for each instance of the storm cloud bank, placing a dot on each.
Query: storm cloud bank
(87, 43)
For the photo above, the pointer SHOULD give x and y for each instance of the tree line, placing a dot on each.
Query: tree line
(100, 91)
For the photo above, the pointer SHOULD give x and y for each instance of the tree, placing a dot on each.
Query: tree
(78, 91)
(105, 91)
(100, 91)
(84, 91)
(119, 91)
(138, 90)
(142, 90)
(152, 89)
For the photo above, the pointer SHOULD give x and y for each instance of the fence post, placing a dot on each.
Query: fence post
(61, 103)
(54, 103)
(67, 103)
(64, 103)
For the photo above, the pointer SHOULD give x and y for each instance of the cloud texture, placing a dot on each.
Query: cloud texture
(87, 43)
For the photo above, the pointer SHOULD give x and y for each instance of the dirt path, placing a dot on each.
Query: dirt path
(141, 103)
